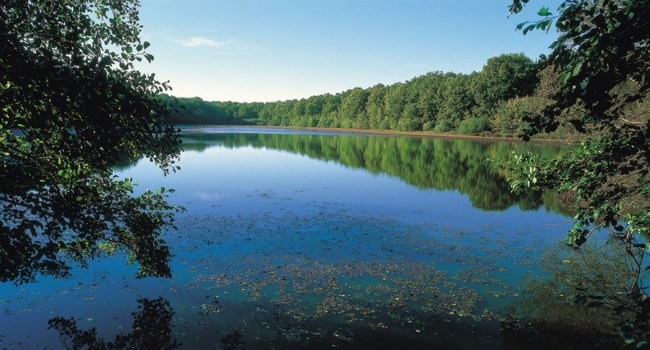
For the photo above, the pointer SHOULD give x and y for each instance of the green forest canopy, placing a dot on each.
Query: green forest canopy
(495, 100)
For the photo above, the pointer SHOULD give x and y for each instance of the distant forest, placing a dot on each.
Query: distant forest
(494, 101)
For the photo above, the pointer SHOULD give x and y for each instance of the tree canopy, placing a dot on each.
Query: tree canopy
(435, 101)
(73, 105)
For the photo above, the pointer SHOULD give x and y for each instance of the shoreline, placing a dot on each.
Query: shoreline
(486, 138)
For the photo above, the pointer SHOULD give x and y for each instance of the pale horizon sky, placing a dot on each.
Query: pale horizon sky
(276, 50)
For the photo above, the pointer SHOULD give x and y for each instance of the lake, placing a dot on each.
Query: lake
(314, 239)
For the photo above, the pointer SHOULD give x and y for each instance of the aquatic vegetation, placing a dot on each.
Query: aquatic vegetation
(278, 250)
(287, 276)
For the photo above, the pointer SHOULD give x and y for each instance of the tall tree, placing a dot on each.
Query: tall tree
(394, 102)
(428, 87)
(353, 108)
(375, 106)
(503, 77)
(330, 110)
(457, 100)
(73, 105)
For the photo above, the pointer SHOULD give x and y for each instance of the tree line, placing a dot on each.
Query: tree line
(490, 101)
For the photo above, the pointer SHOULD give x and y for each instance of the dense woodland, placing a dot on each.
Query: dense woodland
(493, 101)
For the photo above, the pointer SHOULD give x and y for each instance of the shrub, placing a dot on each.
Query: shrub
(473, 125)
(443, 125)
(508, 116)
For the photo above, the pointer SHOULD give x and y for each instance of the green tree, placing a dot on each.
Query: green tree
(247, 112)
(410, 119)
(503, 77)
(330, 110)
(457, 101)
(314, 106)
(73, 105)
(473, 125)
(196, 111)
(507, 118)
(394, 104)
(375, 106)
(602, 57)
(298, 109)
(353, 108)
(281, 113)
(428, 87)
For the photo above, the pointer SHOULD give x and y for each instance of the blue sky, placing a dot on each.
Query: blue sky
(272, 50)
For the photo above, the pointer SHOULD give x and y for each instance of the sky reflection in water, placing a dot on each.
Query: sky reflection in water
(300, 252)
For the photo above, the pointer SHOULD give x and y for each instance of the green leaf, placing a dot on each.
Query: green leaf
(576, 69)
(564, 78)
(544, 12)
(545, 25)
(529, 28)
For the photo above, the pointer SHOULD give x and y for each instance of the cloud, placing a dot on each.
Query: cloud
(197, 41)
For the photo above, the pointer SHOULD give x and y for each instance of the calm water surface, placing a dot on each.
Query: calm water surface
(317, 240)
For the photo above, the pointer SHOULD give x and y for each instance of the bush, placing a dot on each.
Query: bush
(508, 116)
(473, 125)
(429, 125)
(409, 124)
(443, 125)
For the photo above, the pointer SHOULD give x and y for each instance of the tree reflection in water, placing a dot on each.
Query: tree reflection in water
(588, 299)
(152, 329)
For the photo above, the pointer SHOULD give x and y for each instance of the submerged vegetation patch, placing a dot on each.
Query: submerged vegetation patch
(334, 277)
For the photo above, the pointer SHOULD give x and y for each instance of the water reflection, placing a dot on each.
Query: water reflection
(426, 163)
(319, 241)
(151, 329)
(589, 296)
